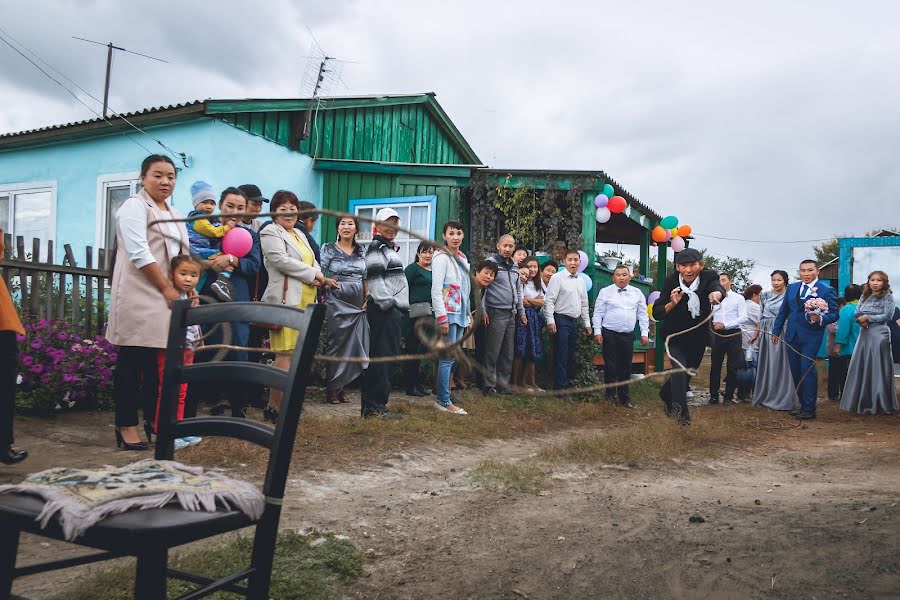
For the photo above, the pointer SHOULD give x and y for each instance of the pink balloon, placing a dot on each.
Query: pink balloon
(582, 264)
(237, 242)
(677, 244)
(668, 236)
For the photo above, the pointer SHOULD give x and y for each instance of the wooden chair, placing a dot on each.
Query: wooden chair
(148, 534)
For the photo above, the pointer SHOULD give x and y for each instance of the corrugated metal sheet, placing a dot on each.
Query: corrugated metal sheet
(111, 118)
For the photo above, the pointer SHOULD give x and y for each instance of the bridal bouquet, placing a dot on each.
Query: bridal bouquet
(815, 306)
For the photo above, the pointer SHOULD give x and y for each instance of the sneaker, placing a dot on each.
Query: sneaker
(713, 399)
(450, 408)
(626, 404)
(221, 289)
(192, 440)
(270, 414)
(181, 443)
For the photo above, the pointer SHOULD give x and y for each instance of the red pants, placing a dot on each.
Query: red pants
(182, 391)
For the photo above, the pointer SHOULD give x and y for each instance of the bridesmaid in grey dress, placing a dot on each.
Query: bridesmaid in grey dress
(348, 329)
(774, 388)
(870, 379)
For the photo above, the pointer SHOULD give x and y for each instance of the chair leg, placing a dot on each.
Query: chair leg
(263, 555)
(150, 578)
(9, 547)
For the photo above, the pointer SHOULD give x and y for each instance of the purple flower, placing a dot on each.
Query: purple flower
(69, 378)
(20, 338)
(27, 360)
(37, 369)
(37, 344)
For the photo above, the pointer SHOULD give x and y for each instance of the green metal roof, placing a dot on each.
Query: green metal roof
(218, 108)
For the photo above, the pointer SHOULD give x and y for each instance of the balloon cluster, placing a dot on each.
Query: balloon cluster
(582, 265)
(668, 230)
(607, 203)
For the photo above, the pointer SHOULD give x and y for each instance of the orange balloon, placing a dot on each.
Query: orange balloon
(658, 234)
(684, 231)
(616, 204)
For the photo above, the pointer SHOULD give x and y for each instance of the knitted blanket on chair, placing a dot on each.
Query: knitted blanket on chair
(80, 498)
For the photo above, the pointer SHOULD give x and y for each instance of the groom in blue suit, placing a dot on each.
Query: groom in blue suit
(804, 332)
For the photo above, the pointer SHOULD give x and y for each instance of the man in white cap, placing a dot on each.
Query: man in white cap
(387, 303)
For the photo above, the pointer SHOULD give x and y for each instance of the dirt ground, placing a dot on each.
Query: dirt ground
(810, 512)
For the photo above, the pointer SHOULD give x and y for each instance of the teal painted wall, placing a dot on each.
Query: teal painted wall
(222, 155)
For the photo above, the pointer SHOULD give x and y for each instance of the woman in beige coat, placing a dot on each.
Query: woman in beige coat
(294, 276)
(141, 294)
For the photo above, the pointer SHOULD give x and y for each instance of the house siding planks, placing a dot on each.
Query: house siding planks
(407, 133)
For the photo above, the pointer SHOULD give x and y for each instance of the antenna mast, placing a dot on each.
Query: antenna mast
(109, 56)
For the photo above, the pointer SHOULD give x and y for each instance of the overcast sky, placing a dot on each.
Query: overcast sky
(776, 121)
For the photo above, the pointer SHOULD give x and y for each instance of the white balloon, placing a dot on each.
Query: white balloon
(677, 244)
(603, 214)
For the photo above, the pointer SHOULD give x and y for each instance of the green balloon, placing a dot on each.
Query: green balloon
(669, 222)
(608, 190)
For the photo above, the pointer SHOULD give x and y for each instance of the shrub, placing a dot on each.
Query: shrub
(58, 369)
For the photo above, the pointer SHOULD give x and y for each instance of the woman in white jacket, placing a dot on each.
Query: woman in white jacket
(449, 301)
(294, 276)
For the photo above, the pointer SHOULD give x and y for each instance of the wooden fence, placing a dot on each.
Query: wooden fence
(66, 292)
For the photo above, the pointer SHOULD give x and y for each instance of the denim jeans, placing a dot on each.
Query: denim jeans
(566, 344)
(445, 366)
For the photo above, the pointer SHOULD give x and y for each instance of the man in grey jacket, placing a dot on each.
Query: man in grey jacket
(502, 303)
(387, 304)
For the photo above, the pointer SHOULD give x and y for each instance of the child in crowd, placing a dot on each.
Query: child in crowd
(205, 237)
(185, 273)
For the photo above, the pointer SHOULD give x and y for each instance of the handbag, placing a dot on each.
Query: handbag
(419, 309)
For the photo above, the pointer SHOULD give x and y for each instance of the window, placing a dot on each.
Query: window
(417, 214)
(112, 191)
(28, 210)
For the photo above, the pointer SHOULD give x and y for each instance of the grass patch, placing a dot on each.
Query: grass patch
(658, 439)
(325, 441)
(502, 476)
(301, 570)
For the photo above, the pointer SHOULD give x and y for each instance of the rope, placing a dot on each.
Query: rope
(438, 348)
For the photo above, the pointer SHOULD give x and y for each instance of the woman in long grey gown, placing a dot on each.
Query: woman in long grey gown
(348, 329)
(870, 379)
(774, 388)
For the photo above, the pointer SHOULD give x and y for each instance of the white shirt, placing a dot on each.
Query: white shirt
(731, 311)
(531, 291)
(753, 313)
(132, 220)
(254, 224)
(620, 310)
(567, 296)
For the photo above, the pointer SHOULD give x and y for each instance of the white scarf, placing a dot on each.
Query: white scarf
(693, 298)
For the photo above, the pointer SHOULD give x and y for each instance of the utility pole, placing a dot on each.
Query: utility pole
(109, 56)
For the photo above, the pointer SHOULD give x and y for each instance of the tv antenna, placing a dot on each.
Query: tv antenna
(109, 56)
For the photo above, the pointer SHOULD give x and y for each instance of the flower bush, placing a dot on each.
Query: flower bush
(58, 369)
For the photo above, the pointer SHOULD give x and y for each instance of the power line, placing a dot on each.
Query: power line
(715, 237)
(180, 155)
(75, 37)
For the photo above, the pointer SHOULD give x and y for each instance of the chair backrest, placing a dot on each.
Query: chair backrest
(280, 439)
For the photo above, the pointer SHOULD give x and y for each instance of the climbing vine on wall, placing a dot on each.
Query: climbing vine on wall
(537, 218)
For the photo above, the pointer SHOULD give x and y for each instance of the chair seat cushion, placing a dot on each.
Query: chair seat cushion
(128, 531)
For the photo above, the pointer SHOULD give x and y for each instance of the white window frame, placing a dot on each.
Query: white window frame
(104, 182)
(430, 202)
(12, 190)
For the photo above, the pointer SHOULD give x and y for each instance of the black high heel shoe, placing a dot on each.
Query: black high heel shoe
(148, 429)
(120, 442)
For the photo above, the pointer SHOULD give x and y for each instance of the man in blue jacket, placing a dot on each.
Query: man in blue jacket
(804, 332)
